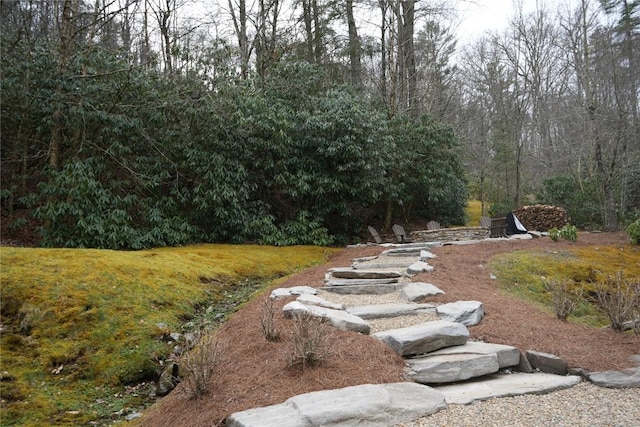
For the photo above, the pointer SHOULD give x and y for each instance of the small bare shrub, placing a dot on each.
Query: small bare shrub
(199, 364)
(267, 316)
(564, 296)
(30, 315)
(619, 299)
(309, 340)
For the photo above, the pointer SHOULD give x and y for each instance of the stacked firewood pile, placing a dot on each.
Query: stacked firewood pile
(542, 217)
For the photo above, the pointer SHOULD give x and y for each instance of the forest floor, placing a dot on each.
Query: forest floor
(253, 372)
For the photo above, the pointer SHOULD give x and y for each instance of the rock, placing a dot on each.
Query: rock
(133, 416)
(338, 318)
(425, 255)
(282, 415)
(524, 365)
(546, 362)
(350, 273)
(400, 265)
(628, 378)
(295, 290)
(419, 290)
(498, 385)
(370, 405)
(526, 236)
(6, 376)
(507, 355)
(316, 300)
(175, 336)
(419, 267)
(351, 282)
(379, 311)
(168, 380)
(425, 337)
(448, 368)
(468, 313)
(364, 289)
(410, 250)
(467, 242)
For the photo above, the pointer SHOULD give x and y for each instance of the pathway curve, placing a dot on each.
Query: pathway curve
(376, 295)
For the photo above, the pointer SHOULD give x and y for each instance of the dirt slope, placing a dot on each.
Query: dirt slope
(253, 372)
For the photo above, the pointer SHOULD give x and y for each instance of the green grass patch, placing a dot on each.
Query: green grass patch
(522, 274)
(80, 326)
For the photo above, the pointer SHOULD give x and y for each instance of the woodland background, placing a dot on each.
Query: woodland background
(137, 123)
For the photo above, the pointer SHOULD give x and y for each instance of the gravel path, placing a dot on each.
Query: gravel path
(384, 324)
(582, 405)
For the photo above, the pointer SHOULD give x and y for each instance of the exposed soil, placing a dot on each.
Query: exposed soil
(253, 372)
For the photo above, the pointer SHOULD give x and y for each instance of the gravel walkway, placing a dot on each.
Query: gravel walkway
(582, 405)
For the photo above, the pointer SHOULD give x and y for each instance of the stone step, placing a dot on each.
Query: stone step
(468, 313)
(384, 265)
(294, 290)
(338, 318)
(410, 250)
(352, 282)
(506, 354)
(382, 311)
(449, 368)
(371, 405)
(418, 290)
(419, 267)
(350, 273)
(424, 338)
(364, 289)
(500, 385)
(627, 378)
(320, 302)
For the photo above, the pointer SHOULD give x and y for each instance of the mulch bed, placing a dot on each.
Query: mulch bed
(254, 372)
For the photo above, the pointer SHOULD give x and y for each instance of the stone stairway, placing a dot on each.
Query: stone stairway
(445, 367)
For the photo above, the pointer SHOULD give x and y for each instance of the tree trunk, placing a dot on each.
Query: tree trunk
(66, 37)
(354, 47)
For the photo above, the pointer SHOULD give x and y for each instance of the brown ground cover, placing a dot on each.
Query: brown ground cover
(253, 372)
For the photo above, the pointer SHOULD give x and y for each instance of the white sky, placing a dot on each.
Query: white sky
(483, 15)
(477, 16)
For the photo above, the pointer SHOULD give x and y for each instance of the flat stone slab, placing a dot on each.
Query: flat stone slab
(507, 355)
(378, 405)
(425, 337)
(627, 378)
(351, 282)
(498, 385)
(320, 302)
(350, 273)
(426, 255)
(419, 290)
(383, 265)
(468, 313)
(448, 368)
(295, 290)
(546, 362)
(338, 318)
(409, 250)
(381, 311)
(364, 289)
(419, 267)
(525, 236)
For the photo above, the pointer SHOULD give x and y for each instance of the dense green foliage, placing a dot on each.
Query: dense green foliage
(578, 197)
(147, 159)
(633, 230)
